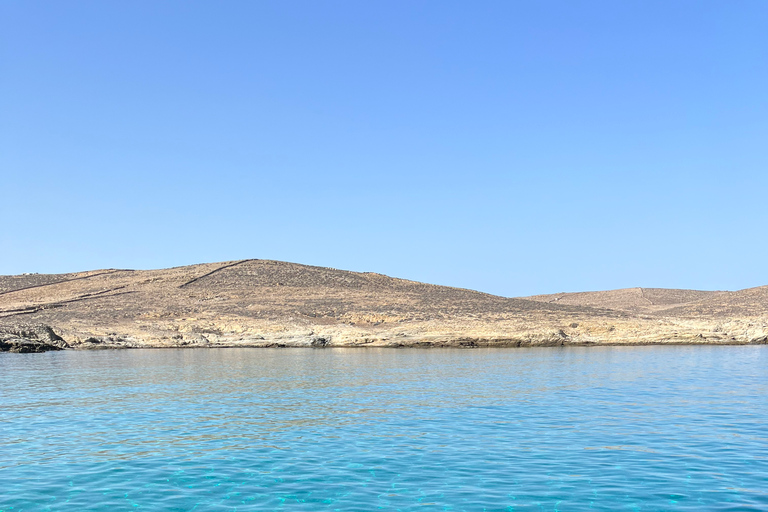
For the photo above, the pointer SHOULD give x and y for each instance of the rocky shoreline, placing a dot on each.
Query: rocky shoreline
(23, 338)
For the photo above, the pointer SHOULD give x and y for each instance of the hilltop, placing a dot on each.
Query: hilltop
(273, 303)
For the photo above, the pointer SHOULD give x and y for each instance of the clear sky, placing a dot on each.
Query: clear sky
(514, 147)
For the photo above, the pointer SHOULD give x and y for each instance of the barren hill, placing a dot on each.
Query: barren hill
(752, 302)
(271, 303)
(634, 300)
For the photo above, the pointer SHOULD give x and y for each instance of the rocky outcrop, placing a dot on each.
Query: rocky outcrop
(22, 338)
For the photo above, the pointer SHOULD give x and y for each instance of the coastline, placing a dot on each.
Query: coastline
(43, 338)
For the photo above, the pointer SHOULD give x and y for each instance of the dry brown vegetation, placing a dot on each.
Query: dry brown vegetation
(271, 303)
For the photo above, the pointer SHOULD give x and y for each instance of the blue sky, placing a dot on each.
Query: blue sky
(511, 147)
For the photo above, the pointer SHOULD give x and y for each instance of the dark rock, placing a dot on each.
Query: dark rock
(318, 341)
(25, 338)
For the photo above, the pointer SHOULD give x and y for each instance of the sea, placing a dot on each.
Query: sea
(645, 428)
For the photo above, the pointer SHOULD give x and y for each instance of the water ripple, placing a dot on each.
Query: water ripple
(623, 428)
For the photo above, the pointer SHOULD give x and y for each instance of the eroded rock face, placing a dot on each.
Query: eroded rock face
(25, 338)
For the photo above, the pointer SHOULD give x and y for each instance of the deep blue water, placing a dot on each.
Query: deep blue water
(553, 429)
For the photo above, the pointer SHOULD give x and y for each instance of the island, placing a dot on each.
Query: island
(264, 303)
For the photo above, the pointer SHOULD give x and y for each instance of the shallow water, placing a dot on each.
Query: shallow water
(622, 428)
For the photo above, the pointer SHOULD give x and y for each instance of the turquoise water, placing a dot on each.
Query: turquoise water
(623, 428)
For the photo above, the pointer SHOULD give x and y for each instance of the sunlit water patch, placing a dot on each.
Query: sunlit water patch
(646, 428)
